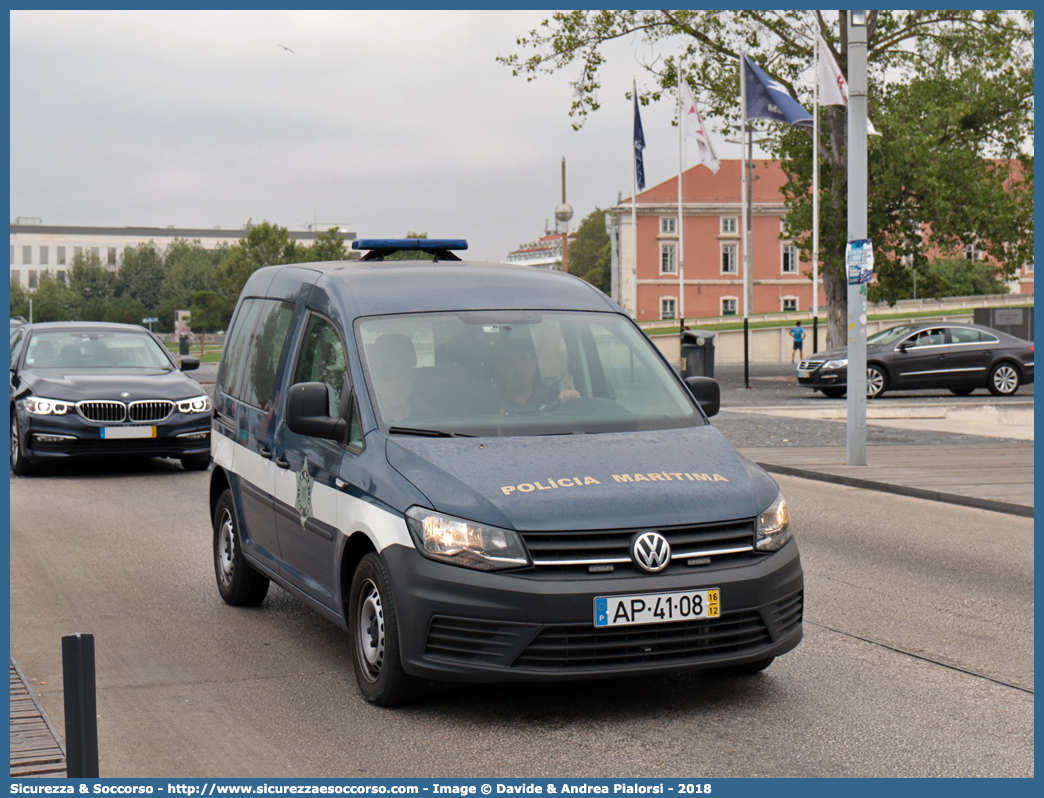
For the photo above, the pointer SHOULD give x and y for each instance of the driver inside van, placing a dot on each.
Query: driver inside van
(392, 360)
(520, 387)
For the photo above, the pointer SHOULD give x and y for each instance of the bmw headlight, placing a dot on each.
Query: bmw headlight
(774, 526)
(39, 406)
(198, 404)
(835, 364)
(459, 542)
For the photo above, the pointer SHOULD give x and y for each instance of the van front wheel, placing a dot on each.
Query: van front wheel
(374, 637)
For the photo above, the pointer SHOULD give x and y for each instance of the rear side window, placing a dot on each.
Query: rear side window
(254, 350)
(962, 335)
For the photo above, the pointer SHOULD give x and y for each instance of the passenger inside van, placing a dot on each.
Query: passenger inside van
(519, 382)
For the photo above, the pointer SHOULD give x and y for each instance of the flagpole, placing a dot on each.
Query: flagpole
(634, 219)
(815, 202)
(681, 212)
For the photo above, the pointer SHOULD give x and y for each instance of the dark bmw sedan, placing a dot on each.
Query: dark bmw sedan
(83, 388)
(954, 356)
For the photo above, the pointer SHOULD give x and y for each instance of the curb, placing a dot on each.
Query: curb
(903, 490)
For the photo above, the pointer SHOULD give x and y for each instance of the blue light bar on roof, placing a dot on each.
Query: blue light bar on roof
(423, 244)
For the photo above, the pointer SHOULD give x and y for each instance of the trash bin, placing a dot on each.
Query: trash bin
(697, 353)
(183, 345)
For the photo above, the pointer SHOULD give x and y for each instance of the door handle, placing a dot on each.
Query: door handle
(266, 453)
(282, 462)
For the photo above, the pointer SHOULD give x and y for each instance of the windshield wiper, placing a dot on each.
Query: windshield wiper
(427, 433)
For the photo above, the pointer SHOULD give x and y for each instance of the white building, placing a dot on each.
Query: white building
(36, 247)
(545, 252)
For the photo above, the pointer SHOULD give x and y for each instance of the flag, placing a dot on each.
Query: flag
(692, 125)
(833, 88)
(639, 145)
(767, 99)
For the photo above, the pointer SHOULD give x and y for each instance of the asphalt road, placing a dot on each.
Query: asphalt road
(917, 660)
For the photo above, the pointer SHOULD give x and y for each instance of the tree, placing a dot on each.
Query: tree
(210, 311)
(89, 280)
(328, 246)
(951, 92)
(124, 310)
(52, 299)
(590, 252)
(141, 275)
(264, 245)
(189, 268)
(943, 277)
(19, 300)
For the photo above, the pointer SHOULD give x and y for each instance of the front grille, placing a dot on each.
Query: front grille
(810, 365)
(473, 640)
(102, 411)
(150, 411)
(612, 547)
(580, 647)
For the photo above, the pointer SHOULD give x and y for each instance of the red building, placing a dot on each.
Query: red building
(709, 281)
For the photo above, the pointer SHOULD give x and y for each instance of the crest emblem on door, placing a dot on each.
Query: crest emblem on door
(304, 492)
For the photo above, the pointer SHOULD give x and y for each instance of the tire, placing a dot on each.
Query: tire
(746, 669)
(876, 381)
(238, 583)
(196, 462)
(834, 393)
(1004, 380)
(961, 391)
(373, 634)
(20, 464)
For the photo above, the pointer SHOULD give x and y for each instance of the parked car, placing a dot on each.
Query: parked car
(487, 473)
(955, 356)
(81, 388)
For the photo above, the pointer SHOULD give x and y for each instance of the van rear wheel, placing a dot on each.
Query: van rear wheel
(373, 633)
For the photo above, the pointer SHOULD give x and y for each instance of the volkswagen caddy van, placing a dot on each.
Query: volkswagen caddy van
(487, 472)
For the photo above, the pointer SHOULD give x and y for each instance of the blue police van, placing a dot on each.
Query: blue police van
(487, 472)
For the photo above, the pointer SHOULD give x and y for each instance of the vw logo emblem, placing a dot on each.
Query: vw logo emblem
(650, 551)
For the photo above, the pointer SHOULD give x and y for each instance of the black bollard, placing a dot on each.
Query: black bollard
(81, 707)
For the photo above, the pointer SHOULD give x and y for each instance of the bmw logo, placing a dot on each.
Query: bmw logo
(650, 551)
(125, 395)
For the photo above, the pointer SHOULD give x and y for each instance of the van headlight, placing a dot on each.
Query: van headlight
(459, 542)
(39, 406)
(774, 526)
(197, 404)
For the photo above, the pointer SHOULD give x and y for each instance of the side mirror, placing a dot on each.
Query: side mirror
(189, 363)
(707, 392)
(307, 412)
(903, 346)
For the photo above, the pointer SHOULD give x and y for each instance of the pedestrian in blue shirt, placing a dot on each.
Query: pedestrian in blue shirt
(798, 334)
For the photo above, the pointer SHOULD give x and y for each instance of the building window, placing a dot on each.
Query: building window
(1029, 268)
(668, 259)
(112, 256)
(971, 252)
(728, 259)
(729, 224)
(667, 308)
(668, 224)
(728, 306)
(16, 276)
(96, 251)
(32, 278)
(45, 255)
(790, 259)
(60, 257)
(61, 277)
(27, 255)
(790, 304)
(12, 254)
(77, 252)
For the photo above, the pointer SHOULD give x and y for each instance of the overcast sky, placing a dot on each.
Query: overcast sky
(386, 121)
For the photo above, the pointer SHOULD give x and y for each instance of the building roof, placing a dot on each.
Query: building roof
(703, 185)
(552, 241)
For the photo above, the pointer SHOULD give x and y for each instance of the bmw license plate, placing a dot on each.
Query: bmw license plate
(128, 432)
(804, 374)
(656, 607)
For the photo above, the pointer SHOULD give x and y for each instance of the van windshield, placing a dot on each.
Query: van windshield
(508, 373)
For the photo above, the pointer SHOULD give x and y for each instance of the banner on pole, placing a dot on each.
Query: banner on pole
(859, 257)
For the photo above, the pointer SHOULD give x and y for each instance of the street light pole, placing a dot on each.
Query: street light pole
(857, 224)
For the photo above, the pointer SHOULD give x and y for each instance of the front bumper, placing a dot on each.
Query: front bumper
(462, 625)
(821, 378)
(50, 438)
